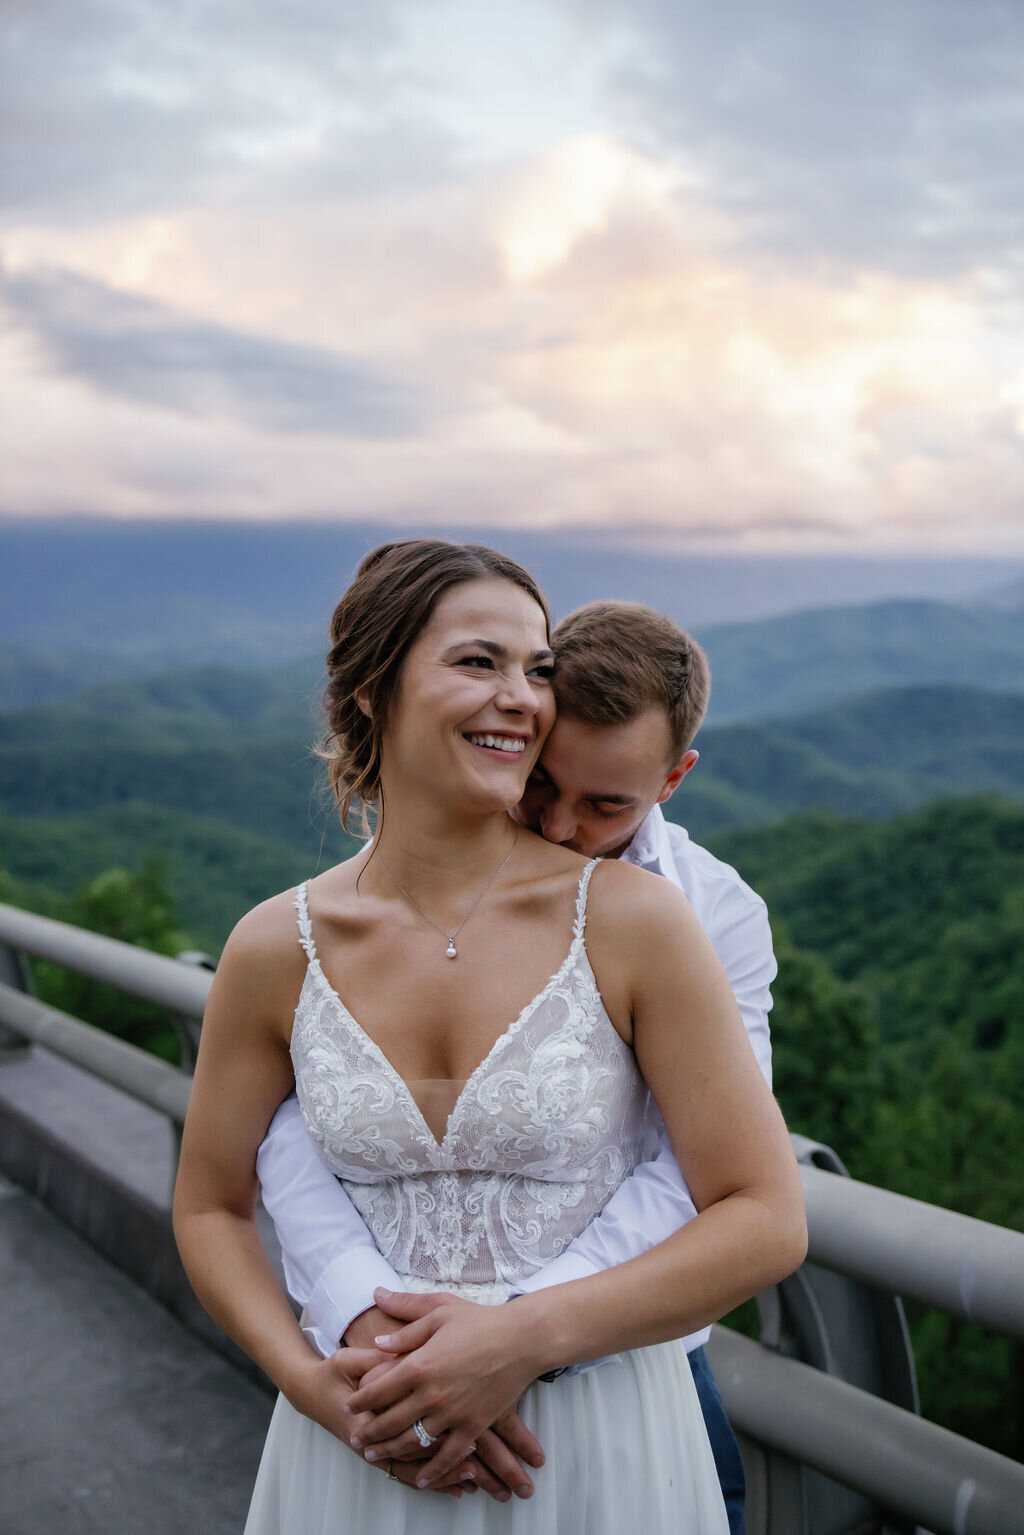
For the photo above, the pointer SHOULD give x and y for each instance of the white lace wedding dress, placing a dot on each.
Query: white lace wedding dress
(540, 1136)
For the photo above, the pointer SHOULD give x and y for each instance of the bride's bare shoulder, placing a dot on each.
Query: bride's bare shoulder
(637, 907)
(539, 859)
(265, 943)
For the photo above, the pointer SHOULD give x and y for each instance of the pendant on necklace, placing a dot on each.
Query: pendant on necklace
(450, 950)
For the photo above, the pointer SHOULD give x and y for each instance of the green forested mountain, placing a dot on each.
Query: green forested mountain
(214, 871)
(32, 677)
(916, 925)
(271, 788)
(236, 747)
(887, 751)
(207, 705)
(898, 1033)
(927, 909)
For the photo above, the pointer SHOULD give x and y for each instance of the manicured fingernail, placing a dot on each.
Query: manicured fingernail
(467, 1476)
(356, 1442)
(380, 1290)
(382, 1342)
(370, 1454)
(421, 1481)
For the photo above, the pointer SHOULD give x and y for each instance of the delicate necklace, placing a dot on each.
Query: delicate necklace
(451, 952)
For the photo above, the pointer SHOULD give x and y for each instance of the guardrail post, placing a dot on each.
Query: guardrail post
(14, 971)
(845, 1329)
(189, 1028)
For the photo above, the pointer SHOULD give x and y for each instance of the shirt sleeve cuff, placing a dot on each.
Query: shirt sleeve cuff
(343, 1292)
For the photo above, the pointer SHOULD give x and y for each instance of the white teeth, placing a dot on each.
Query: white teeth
(512, 744)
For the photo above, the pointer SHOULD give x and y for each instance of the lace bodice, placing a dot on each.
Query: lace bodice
(539, 1138)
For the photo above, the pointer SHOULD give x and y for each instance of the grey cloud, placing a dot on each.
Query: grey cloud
(760, 524)
(113, 106)
(868, 132)
(140, 351)
(386, 158)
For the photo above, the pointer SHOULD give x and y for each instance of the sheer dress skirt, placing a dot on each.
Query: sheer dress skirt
(626, 1448)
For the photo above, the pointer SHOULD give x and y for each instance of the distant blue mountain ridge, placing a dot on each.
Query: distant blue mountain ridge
(803, 661)
(92, 599)
(779, 666)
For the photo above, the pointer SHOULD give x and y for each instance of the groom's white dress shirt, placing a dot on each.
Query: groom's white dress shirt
(331, 1262)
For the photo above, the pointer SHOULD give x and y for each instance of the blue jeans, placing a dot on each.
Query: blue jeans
(726, 1451)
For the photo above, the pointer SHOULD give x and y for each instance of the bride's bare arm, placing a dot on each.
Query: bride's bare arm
(665, 989)
(242, 1074)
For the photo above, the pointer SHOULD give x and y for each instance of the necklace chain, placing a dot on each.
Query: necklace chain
(451, 951)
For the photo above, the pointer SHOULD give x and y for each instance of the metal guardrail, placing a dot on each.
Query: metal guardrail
(968, 1268)
(959, 1265)
(901, 1462)
(114, 1061)
(181, 988)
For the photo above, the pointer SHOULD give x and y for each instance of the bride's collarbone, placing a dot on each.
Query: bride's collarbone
(434, 1017)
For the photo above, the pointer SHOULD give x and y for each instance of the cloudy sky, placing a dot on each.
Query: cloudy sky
(745, 275)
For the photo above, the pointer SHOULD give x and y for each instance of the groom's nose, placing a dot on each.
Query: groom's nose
(558, 823)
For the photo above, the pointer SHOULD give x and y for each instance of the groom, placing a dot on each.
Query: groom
(632, 691)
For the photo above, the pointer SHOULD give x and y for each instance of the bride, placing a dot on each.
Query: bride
(475, 1148)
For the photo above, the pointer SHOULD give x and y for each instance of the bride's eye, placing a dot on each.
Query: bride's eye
(484, 661)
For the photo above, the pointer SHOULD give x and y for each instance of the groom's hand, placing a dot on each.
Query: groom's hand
(361, 1332)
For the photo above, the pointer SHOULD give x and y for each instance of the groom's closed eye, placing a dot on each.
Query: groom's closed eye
(609, 808)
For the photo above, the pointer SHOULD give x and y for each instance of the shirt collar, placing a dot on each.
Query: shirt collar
(651, 849)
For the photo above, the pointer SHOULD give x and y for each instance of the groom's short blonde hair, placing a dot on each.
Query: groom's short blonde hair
(614, 660)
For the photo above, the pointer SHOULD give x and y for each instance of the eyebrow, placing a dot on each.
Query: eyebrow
(601, 799)
(498, 651)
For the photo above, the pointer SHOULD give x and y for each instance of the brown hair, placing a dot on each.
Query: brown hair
(616, 659)
(387, 606)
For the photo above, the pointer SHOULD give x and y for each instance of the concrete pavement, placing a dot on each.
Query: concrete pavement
(113, 1417)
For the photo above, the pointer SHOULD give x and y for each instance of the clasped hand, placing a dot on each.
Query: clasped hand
(458, 1368)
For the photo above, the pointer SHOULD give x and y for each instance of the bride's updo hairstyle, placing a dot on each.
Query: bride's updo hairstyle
(385, 609)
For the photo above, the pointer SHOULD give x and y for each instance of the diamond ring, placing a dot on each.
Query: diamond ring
(425, 1439)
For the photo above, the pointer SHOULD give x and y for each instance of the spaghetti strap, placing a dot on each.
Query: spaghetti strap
(305, 926)
(581, 899)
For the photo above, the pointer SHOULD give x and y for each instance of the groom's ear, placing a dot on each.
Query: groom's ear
(687, 761)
